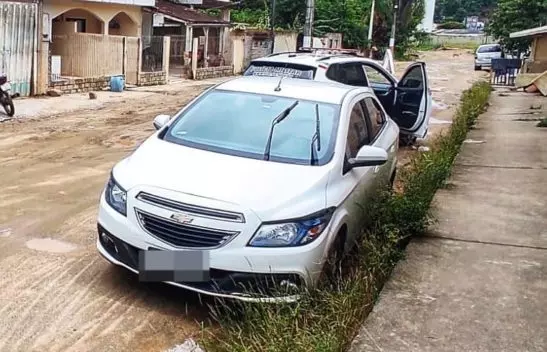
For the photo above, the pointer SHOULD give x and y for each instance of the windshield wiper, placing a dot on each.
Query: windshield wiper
(316, 138)
(275, 121)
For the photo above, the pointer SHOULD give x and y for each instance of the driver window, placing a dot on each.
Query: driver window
(375, 76)
(357, 131)
(413, 79)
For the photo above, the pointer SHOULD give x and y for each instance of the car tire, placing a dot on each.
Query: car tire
(332, 268)
(478, 68)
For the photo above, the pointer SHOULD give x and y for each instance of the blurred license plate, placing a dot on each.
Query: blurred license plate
(5, 87)
(177, 266)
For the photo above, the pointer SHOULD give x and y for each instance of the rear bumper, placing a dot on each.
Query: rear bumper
(250, 287)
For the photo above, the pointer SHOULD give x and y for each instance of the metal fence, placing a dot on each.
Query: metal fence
(505, 71)
(152, 54)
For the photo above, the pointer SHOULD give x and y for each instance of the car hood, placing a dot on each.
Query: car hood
(273, 191)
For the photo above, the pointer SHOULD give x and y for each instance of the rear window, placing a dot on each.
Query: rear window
(279, 69)
(489, 49)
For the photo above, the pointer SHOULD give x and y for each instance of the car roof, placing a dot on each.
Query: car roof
(311, 59)
(300, 89)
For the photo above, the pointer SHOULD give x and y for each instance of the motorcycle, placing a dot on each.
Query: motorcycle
(6, 99)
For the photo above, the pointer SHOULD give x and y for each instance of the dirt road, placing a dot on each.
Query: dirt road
(56, 292)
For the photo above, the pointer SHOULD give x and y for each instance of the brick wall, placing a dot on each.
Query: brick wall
(152, 78)
(214, 72)
(80, 85)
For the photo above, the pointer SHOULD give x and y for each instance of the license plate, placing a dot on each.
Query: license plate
(5, 87)
(177, 266)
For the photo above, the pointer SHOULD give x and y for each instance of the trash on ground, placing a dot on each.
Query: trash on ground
(434, 121)
(472, 141)
(532, 82)
(423, 149)
(188, 346)
(5, 232)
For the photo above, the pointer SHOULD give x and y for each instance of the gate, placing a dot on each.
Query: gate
(18, 44)
(505, 71)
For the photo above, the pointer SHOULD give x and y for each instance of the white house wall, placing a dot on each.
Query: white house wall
(18, 44)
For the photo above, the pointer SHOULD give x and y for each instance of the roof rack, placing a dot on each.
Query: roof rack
(302, 51)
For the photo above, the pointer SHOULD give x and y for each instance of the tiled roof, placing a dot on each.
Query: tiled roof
(186, 14)
(214, 4)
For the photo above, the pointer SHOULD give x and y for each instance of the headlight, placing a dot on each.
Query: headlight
(116, 196)
(292, 233)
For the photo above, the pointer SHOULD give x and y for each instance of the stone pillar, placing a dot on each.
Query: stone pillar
(206, 48)
(188, 44)
(195, 46)
(166, 55)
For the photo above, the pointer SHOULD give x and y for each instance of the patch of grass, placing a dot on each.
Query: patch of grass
(542, 123)
(327, 319)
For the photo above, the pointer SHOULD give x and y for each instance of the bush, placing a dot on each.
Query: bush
(451, 25)
(542, 123)
(327, 318)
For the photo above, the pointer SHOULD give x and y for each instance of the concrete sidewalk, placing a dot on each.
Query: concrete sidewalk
(478, 281)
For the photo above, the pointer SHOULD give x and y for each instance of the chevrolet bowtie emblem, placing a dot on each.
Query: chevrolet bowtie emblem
(182, 218)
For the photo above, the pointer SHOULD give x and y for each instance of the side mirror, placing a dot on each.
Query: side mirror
(369, 156)
(161, 120)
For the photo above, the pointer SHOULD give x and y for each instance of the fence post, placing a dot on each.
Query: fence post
(124, 62)
(195, 45)
(166, 55)
(139, 60)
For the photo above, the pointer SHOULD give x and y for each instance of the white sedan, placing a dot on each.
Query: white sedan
(257, 182)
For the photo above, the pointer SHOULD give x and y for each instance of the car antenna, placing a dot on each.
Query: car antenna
(278, 88)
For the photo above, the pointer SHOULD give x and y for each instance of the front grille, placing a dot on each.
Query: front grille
(183, 235)
(191, 209)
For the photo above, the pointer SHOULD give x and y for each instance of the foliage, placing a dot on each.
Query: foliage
(349, 17)
(542, 123)
(328, 318)
(513, 16)
(451, 25)
(458, 10)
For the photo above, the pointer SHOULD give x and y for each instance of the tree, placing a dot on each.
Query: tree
(458, 10)
(513, 16)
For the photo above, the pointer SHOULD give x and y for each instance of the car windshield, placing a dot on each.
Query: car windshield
(489, 49)
(237, 123)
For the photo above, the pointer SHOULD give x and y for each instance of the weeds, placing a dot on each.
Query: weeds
(542, 123)
(326, 319)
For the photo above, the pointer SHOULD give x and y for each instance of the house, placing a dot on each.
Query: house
(537, 63)
(85, 42)
(183, 23)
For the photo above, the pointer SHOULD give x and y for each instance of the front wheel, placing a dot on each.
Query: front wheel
(7, 103)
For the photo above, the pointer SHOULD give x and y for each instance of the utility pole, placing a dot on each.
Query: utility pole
(272, 26)
(371, 24)
(393, 28)
(308, 27)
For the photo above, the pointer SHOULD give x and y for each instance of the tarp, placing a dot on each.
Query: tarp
(525, 80)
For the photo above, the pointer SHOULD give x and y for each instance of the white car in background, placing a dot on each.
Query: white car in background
(484, 55)
(408, 101)
(266, 176)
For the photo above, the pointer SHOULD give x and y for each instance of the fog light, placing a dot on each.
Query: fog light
(108, 241)
(286, 284)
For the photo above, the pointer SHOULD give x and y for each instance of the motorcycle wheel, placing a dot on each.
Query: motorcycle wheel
(8, 105)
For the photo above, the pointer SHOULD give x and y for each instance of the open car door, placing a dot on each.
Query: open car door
(413, 103)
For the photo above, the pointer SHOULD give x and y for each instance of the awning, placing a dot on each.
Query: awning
(186, 15)
(529, 32)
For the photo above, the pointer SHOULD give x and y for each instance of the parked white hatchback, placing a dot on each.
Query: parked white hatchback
(266, 177)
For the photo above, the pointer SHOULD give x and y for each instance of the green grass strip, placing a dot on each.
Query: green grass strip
(327, 319)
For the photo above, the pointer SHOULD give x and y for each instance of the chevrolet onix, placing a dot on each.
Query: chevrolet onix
(267, 176)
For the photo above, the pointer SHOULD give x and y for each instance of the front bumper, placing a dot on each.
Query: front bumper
(237, 271)
(223, 284)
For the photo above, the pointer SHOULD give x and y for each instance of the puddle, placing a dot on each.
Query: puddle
(5, 233)
(434, 121)
(50, 245)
